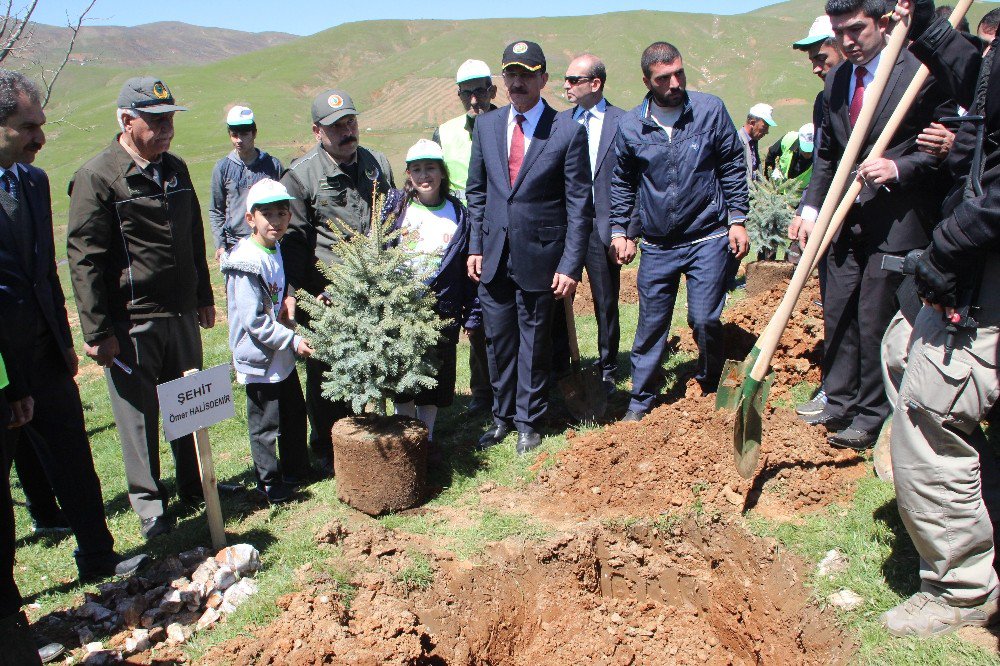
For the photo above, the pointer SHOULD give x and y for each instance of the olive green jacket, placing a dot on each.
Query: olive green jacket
(136, 250)
(323, 193)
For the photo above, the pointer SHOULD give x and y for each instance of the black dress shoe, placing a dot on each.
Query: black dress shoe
(830, 422)
(494, 435)
(279, 493)
(632, 416)
(111, 564)
(853, 438)
(154, 527)
(526, 441)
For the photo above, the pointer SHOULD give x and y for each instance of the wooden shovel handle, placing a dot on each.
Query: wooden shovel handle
(574, 346)
(768, 341)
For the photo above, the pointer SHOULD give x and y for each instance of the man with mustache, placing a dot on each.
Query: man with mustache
(681, 163)
(531, 208)
(893, 215)
(476, 91)
(136, 250)
(335, 181)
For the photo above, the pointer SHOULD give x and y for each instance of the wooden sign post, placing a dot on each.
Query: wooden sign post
(209, 485)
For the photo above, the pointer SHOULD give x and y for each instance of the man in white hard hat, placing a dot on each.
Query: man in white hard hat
(232, 178)
(760, 119)
(476, 90)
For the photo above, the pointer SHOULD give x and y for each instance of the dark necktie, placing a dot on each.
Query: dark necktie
(859, 94)
(516, 156)
(9, 182)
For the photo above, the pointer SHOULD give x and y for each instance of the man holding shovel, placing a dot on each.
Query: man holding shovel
(893, 215)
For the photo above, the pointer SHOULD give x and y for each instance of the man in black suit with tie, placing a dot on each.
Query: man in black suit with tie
(35, 334)
(529, 195)
(895, 213)
(584, 84)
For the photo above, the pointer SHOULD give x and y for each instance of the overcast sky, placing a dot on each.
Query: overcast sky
(305, 17)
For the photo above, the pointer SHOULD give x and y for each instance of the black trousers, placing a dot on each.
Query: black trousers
(604, 275)
(479, 365)
(38, 496)
(276, 419)
(322, 413)
(858, 304)
(519, 343)
(58, 437)
(10, 596)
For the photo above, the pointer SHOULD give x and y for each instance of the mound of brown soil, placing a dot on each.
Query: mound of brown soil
(685, 594)
(800, 351)
(681, 454)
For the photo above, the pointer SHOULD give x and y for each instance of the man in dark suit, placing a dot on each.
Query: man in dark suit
(529, 195)
(894, 214)
(584, 85)
(35, 335)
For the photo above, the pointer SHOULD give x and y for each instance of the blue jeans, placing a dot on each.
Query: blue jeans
(708, 267)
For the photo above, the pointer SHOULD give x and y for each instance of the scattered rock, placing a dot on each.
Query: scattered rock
(205, 572)
(172, 602)
(214, 599)
(241, 558)
(157, 635)
(100, 657)
(834, 562)
(137, 642)
(845, 600)
(210, 617)
(85, 635)
(240, 592)
(191, 558)
(177, 633)
(225, 578)
(94, 611)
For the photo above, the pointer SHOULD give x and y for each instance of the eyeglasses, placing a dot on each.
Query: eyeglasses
(479, 93)
(573, 80)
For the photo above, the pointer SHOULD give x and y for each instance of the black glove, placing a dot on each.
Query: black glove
(935, 284)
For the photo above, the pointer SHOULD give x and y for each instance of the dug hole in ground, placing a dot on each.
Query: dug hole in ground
(647, 560)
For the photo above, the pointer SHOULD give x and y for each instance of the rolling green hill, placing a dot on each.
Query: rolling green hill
(400, 74)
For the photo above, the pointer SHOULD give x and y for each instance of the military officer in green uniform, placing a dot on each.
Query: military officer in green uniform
(336, 180)
(476, 91)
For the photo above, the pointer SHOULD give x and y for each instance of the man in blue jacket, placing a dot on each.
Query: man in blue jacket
(530, 204)
(681, 162)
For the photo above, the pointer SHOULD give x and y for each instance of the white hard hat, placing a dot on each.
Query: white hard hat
(266, 191)
(820, 31)
(764, 112)
(239, 115)
(424, 149)
(807, 134)
(471, 70)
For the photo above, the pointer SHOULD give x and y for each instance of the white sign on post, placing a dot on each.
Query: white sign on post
(196, 401)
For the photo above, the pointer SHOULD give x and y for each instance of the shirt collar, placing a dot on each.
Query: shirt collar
(871, 66)
(531, 116)
(598, 110)
(139, 160)
(14, 171)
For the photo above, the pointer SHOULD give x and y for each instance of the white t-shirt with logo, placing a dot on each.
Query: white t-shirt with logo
(427, 232)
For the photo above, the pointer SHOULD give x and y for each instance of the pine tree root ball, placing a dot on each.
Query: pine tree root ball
(380, 462)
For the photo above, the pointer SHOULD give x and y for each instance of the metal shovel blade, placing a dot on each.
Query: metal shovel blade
(748, 428)
(734, 374)
(584, 393)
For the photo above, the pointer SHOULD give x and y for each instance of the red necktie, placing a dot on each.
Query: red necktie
(859, 94)
(516, 156)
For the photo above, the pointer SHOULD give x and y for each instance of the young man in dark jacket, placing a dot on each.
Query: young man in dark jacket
(136, 251)
(681, 162)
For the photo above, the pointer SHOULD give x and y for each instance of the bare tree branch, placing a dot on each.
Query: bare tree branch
(18, 30)
(69, 50)
(6, 17)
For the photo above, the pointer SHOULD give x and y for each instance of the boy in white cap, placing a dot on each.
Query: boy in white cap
(759, 121)
(264, 345)
(476, 91)
(232, 177)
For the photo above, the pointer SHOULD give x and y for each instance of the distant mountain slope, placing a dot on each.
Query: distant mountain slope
(165, 44)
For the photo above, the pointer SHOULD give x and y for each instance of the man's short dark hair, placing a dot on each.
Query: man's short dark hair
(990, 21)
(657, 53)
(944, 11)
(484, 81)
(12, 86)
(874, 9)
(597, 69)
(239, 129)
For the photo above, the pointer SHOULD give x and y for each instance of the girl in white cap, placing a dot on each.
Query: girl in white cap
(435, 229)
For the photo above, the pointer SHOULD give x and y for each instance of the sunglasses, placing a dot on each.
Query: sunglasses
(573, 80)
(479, 93)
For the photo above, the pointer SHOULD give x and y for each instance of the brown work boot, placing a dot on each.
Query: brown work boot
(924, 615)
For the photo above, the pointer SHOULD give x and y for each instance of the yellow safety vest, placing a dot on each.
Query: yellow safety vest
(457, 145)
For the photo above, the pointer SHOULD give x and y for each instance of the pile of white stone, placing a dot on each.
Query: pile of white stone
(167, 603)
